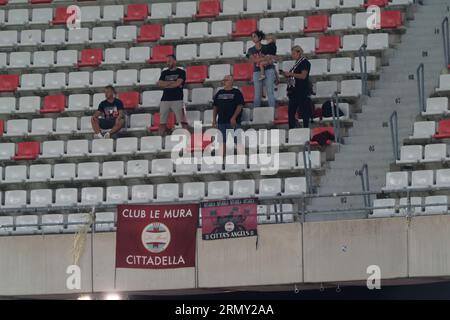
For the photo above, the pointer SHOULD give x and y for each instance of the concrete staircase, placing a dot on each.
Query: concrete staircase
(369, 140)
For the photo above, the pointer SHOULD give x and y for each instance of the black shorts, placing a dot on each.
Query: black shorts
(107, 124)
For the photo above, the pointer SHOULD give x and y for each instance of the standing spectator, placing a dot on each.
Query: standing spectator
(256, 55)
(228, 104)
(172, 82)
(299, 88)
(109, 117)
(270, 57)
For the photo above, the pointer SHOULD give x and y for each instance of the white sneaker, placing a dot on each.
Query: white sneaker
(98, 136)
(106, 135)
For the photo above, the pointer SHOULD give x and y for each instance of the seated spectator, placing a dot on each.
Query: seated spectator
(109, 118)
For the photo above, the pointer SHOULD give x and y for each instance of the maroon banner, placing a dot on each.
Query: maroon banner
(156, 236)
(229, 219)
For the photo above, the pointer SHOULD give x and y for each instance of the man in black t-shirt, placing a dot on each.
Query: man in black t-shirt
(171, 81)
(228, 104)
(109, 117)
(299, 88)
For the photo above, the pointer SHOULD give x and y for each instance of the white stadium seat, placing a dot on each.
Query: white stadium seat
(174, 31)
(443, 178)
(52, 149)
(377, 41)
(31, 81)
(113, 13)
(329, 4)
(77, 147)
(90, 13)
(160, 10)
(66, 125)
(422, 179)
(104, 221)
(423, 129)
(280, 5)
(197, 30)
(64, 171)
(42, 126)
(88, 170)
(270, 187)
(270, 25)
(294, 186)
(305, 5)
(221, 28)
(167, 192)
(26, 224)
(40, 172)
(435, 152)
(7, 105)
(8, 38)
(186, 52)
(384, 212)
(102, 78)
(126, 145)
(125, 33)
(16, 173)
(126, 77)
(55, 80)
(193, 191)
(413, 201)
(308, 44)
(40, 198)
(29, 38)
(138, 54)
(41, 16)
(115, 56)
(142, 193)
(396, 180)
(19, 59)
(137, 168)
(54, 36)
(149, 76)
(352, 42)
(52, 223)
(232, 7)
(436, 200)
(66, 197)
(341, 21)
(209, 51)
(102, 146)
(218, 189)
(102, 34)
(15, 199)
(186, 9)
(17, 127)
(7, 150)
(410, 154)
(117, 195)
(150, 144)
(436, 106)
(78, 36)
(233, 49)
(244, 188)
(91, 195)
(79, 79)
(18, 17)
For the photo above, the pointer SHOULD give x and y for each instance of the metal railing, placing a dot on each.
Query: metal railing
(421, 87)
(362, 55)
(446, 41)
(336, 118)
(364, 173)
(393, 121)
(308, 166)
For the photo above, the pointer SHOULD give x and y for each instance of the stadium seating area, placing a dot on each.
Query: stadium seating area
(52, 78)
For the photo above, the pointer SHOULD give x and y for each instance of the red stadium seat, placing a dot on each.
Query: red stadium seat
(130, 99)
(391, 19)
(9, 82)
(3, 2)
(281, 115)
(443, 130)
(245, 27)
(379, 3)
(170, 121)
(196, 74)
(54, 104)
(243, 71)
(199, 142)
(160, 53)
(27, 150)
(40, 1)
(91, 57)
(249, 93)
(317, 24)
(329, 44)
(208, 9)
(61, 16)
(2, 127)
(317, 131)
(149, 33)
(136, 12)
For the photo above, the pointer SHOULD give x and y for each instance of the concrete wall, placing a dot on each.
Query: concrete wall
(334, 251)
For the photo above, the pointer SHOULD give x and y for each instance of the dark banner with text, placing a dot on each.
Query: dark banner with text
(156, 236)
(229, 219)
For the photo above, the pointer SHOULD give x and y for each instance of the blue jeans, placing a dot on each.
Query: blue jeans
(269, 83)
(223, 127)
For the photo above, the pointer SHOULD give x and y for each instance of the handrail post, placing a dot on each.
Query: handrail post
(421, 87)
(446, 41)
(307, 165)
(362, 55)
(364, 173)
(336, 118)
(394, 135)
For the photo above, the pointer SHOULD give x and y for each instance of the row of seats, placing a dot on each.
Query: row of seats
(419, 179)
(418, 154)
(193, 191)
(186, 52)
(129, 78)
(161, 11)
(444, 83)
(427, 205)
(105, 221)
(146, 144)
(156, 167)
(146, 121)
